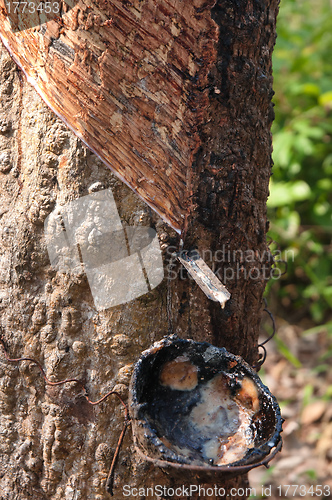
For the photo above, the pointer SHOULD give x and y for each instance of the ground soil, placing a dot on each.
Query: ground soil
(304, 393)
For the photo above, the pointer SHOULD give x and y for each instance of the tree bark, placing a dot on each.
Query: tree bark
(54, 445)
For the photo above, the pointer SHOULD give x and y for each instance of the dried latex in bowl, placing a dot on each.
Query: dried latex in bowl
(193, 403)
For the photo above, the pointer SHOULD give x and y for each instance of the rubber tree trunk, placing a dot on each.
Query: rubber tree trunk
(54, 445)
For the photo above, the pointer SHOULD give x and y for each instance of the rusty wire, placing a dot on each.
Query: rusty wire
(110, 477)
(267, 311)
(262, 344)
(228, 469)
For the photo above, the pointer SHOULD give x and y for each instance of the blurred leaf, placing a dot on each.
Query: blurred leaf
(321, 328)
(328, 393)
(325, 184)
(284, 350)
(310, 89)
(312, 475)
(307, 394)
(285, 193)
(326, 99)
(282, 148)
(300, 203)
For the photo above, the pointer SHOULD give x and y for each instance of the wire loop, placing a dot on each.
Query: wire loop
(262, 344)
(110, 477)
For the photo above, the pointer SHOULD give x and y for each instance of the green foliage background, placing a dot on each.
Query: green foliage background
(299, 205)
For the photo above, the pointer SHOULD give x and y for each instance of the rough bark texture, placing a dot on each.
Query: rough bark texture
(130, 78)
(54, 446)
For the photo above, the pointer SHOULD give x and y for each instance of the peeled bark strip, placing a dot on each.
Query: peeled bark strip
(53, 445)
(130, 79)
